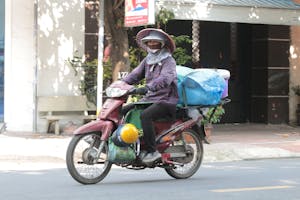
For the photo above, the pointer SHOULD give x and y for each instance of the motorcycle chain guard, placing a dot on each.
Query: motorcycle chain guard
(180, 153)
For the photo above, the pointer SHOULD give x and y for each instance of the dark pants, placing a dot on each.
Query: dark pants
(150, 114)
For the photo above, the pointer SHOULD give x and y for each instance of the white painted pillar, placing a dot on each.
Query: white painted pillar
(19, 65)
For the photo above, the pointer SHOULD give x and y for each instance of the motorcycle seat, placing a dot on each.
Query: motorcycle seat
(137, 107)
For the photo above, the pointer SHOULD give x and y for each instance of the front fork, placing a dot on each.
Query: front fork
(100, 148)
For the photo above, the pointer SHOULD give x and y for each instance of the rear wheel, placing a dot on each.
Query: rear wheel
(82, 161)
(194, 155)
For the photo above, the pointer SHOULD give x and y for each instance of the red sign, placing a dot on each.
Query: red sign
(296, 1)
(139, 12)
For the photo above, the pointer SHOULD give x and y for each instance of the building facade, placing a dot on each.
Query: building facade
(251, 39)
(257, 42)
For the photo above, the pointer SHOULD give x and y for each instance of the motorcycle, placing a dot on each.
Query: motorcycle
(179, 140)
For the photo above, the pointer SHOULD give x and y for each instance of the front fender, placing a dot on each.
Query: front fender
(105, 127)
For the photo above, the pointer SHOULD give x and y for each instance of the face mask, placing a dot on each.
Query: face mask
(152, 50)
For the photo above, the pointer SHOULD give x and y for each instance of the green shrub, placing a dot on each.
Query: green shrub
(296, 90)
(88, 85)
(216, 116)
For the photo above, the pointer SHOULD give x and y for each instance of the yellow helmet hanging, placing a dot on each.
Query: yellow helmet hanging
(125, 134)
(129, 133)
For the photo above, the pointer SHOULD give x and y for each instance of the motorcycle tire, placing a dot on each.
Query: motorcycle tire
(80, 159)
(192, 139)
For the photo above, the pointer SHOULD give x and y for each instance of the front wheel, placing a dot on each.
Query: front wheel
(82, 161)
(194, 155)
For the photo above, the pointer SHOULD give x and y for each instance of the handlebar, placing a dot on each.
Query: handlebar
(140, 91)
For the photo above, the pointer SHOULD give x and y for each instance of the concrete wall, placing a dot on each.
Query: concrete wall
(60, 34)
(19, 65)
(39, 39)
(294, 70)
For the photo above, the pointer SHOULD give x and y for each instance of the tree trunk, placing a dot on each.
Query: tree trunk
(117, 37)
(196, 44)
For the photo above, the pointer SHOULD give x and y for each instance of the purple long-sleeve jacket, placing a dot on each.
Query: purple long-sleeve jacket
(161, 80)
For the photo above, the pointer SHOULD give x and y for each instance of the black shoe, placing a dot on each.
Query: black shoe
(151, 157)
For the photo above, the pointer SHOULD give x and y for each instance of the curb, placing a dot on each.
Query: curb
(225, 152)
(230, 142)
(53, 150)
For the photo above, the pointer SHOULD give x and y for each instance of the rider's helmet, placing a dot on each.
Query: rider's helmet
(148, 34)
(125, 134)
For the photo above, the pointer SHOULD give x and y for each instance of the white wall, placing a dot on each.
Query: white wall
(60, 34)
(19, 65)
(35, 58)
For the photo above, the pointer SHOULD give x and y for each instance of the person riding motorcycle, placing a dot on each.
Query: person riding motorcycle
(159, 70)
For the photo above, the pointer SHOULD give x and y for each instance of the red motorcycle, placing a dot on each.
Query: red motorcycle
(178, 140)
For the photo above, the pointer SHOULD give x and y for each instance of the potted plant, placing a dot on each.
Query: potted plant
(296, 90)
(212, 116)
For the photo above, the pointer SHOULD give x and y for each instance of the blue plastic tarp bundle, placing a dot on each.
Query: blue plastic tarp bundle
(199, 87)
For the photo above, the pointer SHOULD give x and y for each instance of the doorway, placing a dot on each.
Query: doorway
(257, 57)
(227, 46)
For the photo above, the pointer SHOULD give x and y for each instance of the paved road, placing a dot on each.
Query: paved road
(256, 179)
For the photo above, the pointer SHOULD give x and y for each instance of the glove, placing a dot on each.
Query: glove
(141, 90)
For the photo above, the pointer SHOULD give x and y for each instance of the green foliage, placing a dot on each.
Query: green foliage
(212, 118)
(88, 85)
(136, 97)
(163, 16)
(135, 56)
(296, 90)
(181, 54)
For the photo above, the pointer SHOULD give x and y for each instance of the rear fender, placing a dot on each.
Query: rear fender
(105, 127)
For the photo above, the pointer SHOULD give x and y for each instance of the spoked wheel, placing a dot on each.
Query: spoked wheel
(194, 155)
(82, 161)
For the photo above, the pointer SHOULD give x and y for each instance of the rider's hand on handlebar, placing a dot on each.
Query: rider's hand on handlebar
(141, 91)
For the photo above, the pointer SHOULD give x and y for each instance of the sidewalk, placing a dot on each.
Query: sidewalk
(252, 141)
(229, 142)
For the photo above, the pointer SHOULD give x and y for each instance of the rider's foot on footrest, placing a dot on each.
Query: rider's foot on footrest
(142, 154)
(151, 157)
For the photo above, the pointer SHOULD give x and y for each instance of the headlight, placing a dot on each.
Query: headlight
(115, 92)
